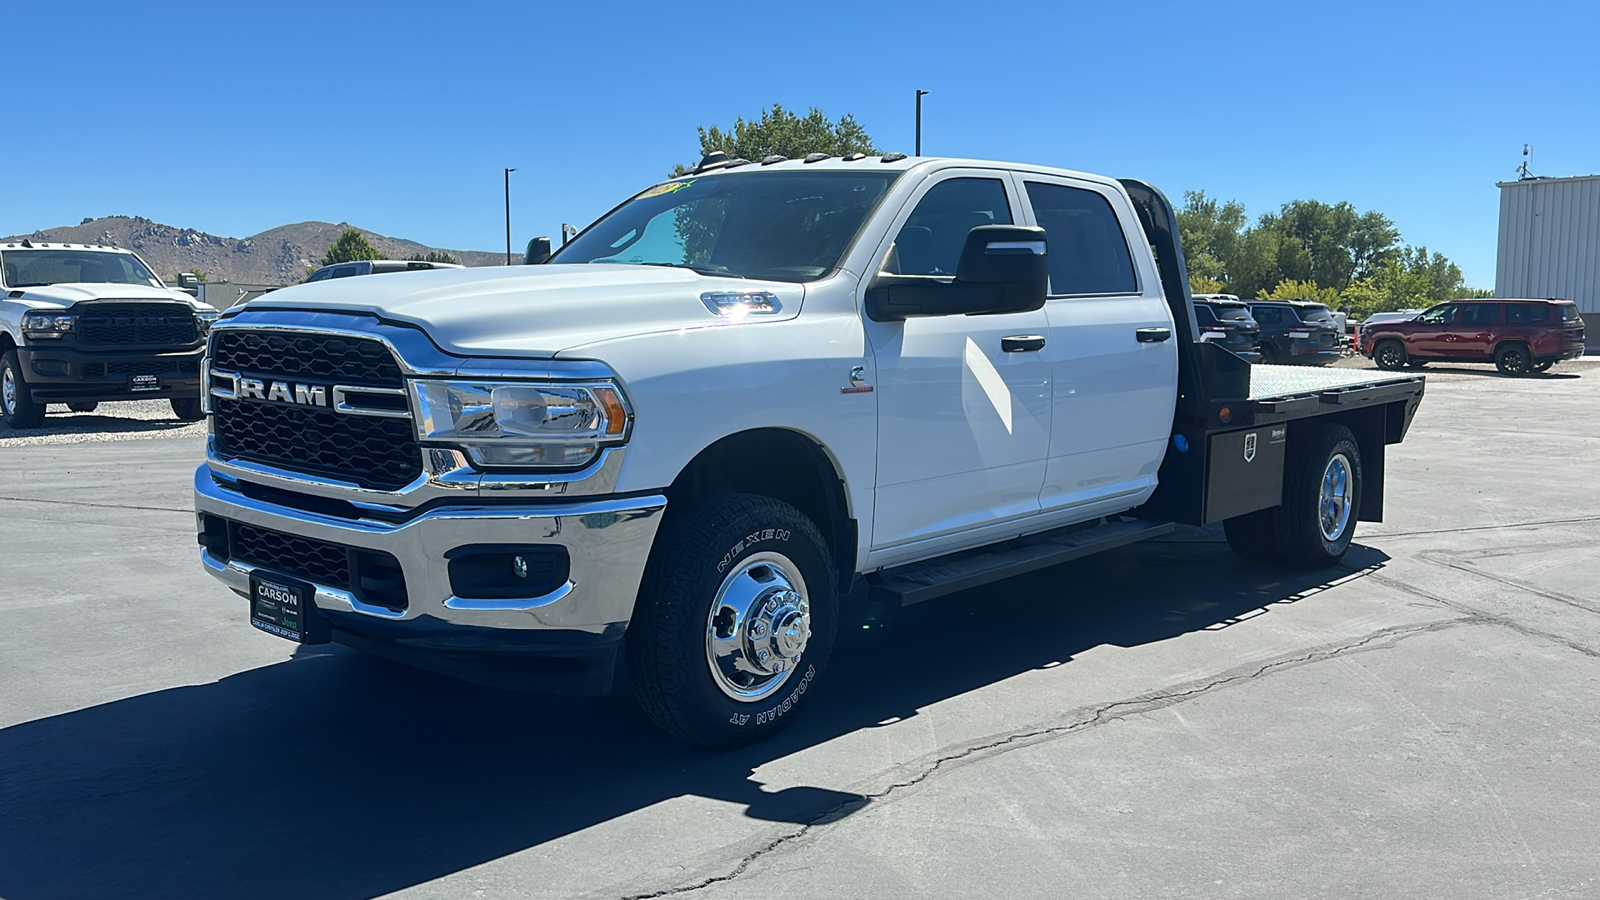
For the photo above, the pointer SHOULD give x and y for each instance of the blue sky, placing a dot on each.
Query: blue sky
(398, 117)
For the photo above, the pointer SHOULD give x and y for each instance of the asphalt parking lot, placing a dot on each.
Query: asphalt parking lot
(1159, 721)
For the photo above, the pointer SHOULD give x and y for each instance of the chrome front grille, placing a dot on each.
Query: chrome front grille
(374, 451)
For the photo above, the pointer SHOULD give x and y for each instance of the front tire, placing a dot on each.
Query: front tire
(16, 404)
(187, 409)
(1321, 495)
(1390, 355)
(735, 621)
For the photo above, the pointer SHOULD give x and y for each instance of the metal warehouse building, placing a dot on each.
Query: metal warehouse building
(1550, 242)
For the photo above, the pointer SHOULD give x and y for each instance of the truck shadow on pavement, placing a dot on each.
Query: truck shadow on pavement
(339, 776)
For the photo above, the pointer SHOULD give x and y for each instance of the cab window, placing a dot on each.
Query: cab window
(1087, 251)
(1527, 313)
(1481, 314)
(931, 240)
(1439, 315)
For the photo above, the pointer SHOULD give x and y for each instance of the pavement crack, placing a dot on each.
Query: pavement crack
(1576, 520)
(1489, 618)
(57, 502)
(1083, 719)
(1439, 560)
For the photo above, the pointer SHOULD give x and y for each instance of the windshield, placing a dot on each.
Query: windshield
(33, 268)
(782, 226)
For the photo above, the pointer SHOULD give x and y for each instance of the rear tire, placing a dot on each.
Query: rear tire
(1513, 359)
(1390, 355)
(1321, 495)
(84, 407)
(16, 405)
(1254, 536)
(187, 409)
(735, 621)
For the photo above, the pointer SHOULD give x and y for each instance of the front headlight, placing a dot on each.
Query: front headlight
(547, 425)
(47, 325)
(205, 318)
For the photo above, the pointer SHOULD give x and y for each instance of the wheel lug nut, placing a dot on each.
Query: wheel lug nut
(777, 666)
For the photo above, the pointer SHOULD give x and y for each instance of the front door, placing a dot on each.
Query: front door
(1114, 393)
(963, 422)
(1434, 335)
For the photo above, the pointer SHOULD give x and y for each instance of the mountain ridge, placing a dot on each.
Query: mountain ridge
(281, 255)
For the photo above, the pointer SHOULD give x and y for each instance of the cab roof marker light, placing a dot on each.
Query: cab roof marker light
(893, 157)
(774, 158)
(815, 157)
(854, 156)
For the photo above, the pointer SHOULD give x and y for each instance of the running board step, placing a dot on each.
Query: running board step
(917, 582)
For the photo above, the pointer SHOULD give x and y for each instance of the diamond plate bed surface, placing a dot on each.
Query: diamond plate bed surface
(1289, 381)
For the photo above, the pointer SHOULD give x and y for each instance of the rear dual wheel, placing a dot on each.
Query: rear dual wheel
(1314, 524)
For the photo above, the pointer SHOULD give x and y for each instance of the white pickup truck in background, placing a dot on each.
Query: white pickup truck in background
(82, 324)
(679, 443)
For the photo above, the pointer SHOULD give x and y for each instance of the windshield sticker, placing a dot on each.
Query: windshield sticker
(671, 187)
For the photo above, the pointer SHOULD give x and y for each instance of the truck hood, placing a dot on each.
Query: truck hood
(61, 296)
(533, 311)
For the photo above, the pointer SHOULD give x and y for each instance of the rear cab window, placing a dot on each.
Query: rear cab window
(1088, 250)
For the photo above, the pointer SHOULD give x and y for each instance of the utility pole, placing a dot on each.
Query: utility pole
(508, 215)
(920, 95)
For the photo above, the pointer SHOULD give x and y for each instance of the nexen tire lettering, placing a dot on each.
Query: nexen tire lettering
(788, 703)
(769, 534)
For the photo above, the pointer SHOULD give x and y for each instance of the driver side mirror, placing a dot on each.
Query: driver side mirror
(538, 252)
(1002, 269)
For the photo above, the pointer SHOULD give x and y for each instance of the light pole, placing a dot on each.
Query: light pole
(508, 215)
(920, 95)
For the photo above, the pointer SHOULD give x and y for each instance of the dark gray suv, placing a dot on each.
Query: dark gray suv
(1297, 332)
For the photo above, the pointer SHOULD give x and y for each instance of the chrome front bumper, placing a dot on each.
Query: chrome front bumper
(608, 541)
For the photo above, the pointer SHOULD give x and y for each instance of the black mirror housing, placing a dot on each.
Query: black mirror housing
(538, 252)
(1002, 269)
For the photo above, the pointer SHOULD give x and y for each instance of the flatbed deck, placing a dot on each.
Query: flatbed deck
(1279, 382)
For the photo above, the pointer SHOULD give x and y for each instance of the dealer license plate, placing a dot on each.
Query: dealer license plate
(284, 607)
(145, 383)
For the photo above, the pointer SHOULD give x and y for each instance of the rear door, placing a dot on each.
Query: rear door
(1112, 354)
(1476, 327)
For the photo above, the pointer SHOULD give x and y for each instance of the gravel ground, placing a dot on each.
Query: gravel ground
(130, 420)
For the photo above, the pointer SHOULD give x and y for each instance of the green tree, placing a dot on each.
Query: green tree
(350, 246)
(1413, 279)
(1302, 290)
(782, 133)
(1199, 284)
(1210, 233)
(434, 256)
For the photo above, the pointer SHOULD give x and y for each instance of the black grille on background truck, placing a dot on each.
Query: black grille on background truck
(137, 325)
(372, 451)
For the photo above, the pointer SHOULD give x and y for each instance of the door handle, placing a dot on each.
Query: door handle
(1022, 343)
(1152, 335)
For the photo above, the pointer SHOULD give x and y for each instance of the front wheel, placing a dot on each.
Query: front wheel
(16, 405)
(187, 409)
(1390, 356)
(1322, 479)
(735, 621)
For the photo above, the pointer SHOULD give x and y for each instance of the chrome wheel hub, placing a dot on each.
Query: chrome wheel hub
(1333, 507)
(758, 627)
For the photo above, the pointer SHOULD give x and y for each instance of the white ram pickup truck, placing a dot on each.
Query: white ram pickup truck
(682, 442)
(81, 324)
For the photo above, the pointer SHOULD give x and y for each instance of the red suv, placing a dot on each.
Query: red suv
(1518, 336)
